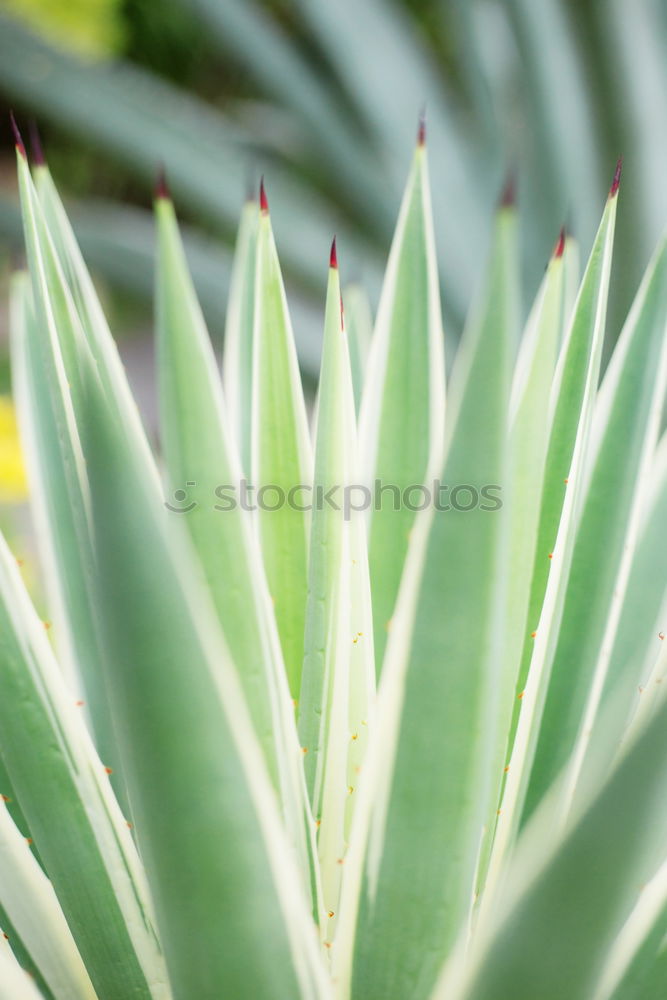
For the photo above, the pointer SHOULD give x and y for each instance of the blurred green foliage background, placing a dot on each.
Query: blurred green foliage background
(323, 98)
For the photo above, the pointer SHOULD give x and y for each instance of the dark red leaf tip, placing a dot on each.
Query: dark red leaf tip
(508, 196)
(263, 202)
(161, 186)
(333, 256)
(616, 183)
(17, 135)
(560, 244)
(421, 128)
(36, 145)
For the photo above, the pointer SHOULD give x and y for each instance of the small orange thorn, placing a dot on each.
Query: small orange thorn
(108, 770)
(327, 944)
(28, 840)
(533, 634)
(520, 696)
(79, 703)
(340, 861)
(355, 736)
(318, 823)
(304, 749)
(506, 768)
(551, 555)
(5, 936)
(661, 635)
(566, 481)
(47, 625)
(20, 562)
(331, 914)
(5, 798)
(128, 824)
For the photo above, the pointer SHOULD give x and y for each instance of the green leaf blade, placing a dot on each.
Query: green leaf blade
(634, 389)
(339, 672)
(202, 463)
(282, 460)
(64, 793)
(420, 854)
(402, 413)
(237, 362)
(230, 910)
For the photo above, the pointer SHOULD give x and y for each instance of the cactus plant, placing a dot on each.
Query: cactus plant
(364, 702)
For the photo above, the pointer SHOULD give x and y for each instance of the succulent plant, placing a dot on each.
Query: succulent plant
(359, 703)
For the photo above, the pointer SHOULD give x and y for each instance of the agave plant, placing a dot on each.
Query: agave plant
(369, 709)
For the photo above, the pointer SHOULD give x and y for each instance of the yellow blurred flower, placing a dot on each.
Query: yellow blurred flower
(13, 485)
(92, 27)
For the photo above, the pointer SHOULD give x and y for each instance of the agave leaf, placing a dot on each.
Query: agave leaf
(203, 465)
(584, 889)
(402, 414)
(55, 470)
(642, 623)
(571, 406)
(237, 362)
(281, 453)
(583, 344)
(31, 904)
(646, 976)
(118, 241)
(185, 732)
(93, 321)
(359, 335)
(56, 346)
(638, 960)
(15, 982)
(65, 795)
(646, 706)
(631, 400)
(528, 437)
(22, 956)
(571, 281)
(9, 798)
(411, 875)
(338, 672)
